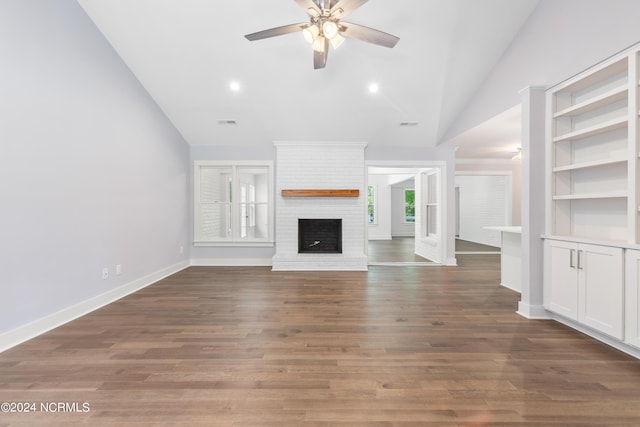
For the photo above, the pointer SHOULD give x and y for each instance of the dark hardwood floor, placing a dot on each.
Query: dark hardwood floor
(396, 250)
(463, 246)
(411, 346)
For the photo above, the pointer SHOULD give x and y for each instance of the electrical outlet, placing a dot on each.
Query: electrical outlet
(181, 249)
(105, 273)
(118, 269)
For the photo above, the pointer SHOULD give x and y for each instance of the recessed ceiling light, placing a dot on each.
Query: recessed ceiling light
(373, 87)
(234, 86)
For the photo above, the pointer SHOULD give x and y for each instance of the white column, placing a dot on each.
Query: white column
(533, 202)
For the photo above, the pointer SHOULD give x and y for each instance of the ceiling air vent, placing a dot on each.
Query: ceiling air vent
(227, 122)
(408, 123)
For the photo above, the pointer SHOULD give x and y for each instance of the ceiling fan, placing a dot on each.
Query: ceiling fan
(325, 27)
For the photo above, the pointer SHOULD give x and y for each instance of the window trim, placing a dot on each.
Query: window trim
(433, 201)
(235, 239)
(404, 202)
(375, 205)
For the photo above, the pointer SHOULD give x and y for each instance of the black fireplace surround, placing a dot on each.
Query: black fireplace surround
(319, 236)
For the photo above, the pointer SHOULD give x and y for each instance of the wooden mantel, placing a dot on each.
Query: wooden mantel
(321, 193)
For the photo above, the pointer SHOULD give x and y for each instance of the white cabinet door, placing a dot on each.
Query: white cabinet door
(600, 288)
(561, 278)
(632, 298)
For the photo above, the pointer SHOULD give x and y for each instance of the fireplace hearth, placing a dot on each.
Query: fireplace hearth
(319, 236)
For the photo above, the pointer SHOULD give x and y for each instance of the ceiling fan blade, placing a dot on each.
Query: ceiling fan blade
(278, 31)
(320, 58)
(309, 4)
(367, 34)
(347, 6)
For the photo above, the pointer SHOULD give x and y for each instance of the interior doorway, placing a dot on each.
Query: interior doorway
(396, 206)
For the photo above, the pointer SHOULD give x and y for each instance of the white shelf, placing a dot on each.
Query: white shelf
(607, 98)
(593, 179)
(593, 151)
(607, 126)
(608, 195)
(593, 164)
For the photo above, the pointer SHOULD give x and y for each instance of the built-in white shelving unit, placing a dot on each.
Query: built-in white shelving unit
(592, 141)
(593, 207)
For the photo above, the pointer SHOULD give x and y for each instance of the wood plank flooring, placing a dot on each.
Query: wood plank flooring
(398, 249)
(402, 250)
(410, 346)
(463, 246)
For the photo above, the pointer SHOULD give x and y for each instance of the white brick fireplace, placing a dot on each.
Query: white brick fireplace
(320, 166)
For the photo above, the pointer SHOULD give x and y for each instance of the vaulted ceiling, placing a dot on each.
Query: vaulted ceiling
(186, 53)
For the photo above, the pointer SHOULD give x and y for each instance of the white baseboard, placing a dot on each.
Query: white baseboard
(532, 311)
(512, 288)
(617, 344)
(37, 327)
(232, 262)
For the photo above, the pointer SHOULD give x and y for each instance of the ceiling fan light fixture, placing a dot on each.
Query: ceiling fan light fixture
(336, 41)
(313, 12)
(310, 33)
(329, 29)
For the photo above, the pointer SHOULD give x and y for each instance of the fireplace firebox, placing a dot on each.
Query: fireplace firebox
(319, 236)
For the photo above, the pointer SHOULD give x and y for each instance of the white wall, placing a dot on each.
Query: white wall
(263, 256)
(485, 200)
(400, 228)
(381, 230)
(92, 174)
(560, 39)
(429, 246)
(512, 168)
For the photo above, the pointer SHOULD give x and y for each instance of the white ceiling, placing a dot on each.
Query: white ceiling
(186, 53)
(497, 138)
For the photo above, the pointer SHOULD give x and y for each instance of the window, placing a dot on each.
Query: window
(409, 206)
(233, 203)
(371, 205)
(432, 205)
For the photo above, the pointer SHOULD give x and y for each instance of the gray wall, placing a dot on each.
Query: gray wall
(92, 174)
